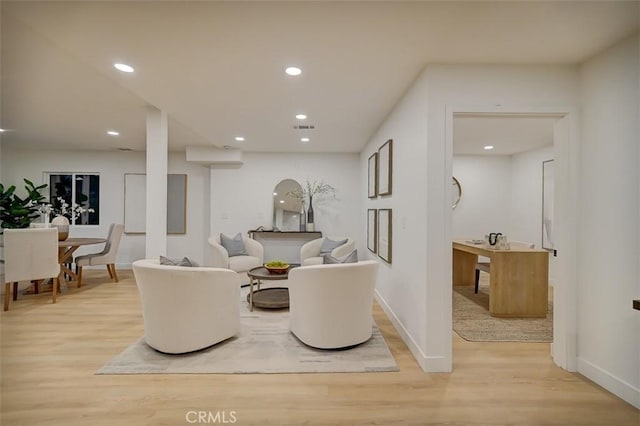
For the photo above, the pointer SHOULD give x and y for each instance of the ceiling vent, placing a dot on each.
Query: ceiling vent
(304, 127)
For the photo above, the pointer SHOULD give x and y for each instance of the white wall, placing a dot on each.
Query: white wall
(525, 215)
(502, 194)
(242, 196)
(18, 164)
(486, 195)
(400, 289)
(418, 297)
(608, 329)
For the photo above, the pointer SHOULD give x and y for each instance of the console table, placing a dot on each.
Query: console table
(519, 278)
(283, 245)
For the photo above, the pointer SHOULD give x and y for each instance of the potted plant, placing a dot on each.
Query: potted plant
(19, 212)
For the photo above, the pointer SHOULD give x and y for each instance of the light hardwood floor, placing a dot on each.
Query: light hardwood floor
(50, 353)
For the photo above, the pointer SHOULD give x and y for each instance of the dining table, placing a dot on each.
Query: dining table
(66, 248)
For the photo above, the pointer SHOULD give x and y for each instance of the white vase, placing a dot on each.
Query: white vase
(62, 223)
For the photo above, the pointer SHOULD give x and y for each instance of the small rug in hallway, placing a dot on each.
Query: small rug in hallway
(264, 345)
(472, 322)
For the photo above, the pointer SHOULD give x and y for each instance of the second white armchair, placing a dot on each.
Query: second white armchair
(311, 253)
(253, 257)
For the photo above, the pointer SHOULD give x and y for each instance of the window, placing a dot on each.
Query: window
(76, 189)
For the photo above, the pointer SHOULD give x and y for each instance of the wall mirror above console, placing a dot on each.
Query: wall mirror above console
(287, 208)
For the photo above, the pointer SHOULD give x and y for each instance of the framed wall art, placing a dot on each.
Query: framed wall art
(373, 176)
(385, 169)
(384, 234)
(135, 208)
(547, 205)
(372, 230)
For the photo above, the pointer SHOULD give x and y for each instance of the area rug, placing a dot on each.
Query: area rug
(472, 322)
(264, 345)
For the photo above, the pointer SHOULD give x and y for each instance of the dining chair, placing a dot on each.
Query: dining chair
(106, 257)
(30, 254)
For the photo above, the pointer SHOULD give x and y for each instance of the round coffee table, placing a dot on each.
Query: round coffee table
(269, 298)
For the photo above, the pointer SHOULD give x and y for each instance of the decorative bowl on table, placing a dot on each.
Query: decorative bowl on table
(277, 267)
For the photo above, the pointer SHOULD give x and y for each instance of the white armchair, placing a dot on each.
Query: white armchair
(239, 264)
(187, 308)
(310, 252)
(331, 305)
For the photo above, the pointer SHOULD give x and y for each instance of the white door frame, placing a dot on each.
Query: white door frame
(565, 327)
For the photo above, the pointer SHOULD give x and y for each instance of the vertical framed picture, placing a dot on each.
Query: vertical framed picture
(372, 230)
(384, 234)
(373, 176)
(547, 205)
(385, 161)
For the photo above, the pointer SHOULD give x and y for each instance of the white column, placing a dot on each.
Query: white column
(157, 166)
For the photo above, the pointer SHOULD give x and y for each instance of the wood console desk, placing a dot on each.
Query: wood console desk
(519, 277)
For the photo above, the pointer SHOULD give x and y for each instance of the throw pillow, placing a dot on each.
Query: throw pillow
(234, 246)
(185, 261)
(328, 245)
(349, 258)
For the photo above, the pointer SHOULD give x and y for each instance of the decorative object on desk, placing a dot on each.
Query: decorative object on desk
(384, 234)
(457, 192)
(62, 223)
(385, 169)
(547, 205)
(493, 238)
(372, 185)
(277, 266)
(18, 212)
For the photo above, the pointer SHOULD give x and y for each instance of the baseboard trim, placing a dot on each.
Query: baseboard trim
(613, 384)
(429, 364)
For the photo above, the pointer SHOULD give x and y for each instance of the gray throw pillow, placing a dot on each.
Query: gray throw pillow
(352, 257)
(328, 245)
(234, 246)
(185, 261)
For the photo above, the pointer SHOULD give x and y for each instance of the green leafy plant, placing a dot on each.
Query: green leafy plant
(19, 212)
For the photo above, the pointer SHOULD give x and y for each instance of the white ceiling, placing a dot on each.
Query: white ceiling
(508, 134)
(217, 67)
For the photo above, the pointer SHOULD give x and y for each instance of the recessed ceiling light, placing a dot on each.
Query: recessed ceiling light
(301, 116)
(281, 201)
(113, 133)
(275, 193)
(2, 130)
(305, 140)
(239, 139)
(293, 71)
(488, 147)
(123, 67)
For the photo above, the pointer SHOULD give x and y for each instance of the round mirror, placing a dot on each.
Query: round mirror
(287, 205)
(456, 193)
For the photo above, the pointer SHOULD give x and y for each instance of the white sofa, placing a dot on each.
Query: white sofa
(331, 305)
(239, 264)
(310, 251)
(187, 308)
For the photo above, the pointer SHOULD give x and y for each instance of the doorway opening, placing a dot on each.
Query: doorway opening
(497, 158)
